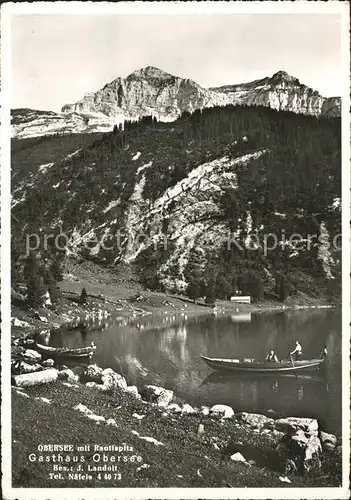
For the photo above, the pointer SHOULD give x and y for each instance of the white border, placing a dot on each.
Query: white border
(151, 8)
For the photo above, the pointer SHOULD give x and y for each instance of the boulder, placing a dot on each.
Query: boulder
(188, 409)
(304, 450)
(93, 373)
(90, 384)
(83, 409)
(312, 462)
(152, 390)
(137, 416)
(68, 375)
(32, 357)
(205, 411)
(284, 479)
(42, 377)
(292, 424)
(29, 368)
(97, 418)
(298, 442)
(133, 390)
(165, 398)
(277, 434)
(17, 350)
(111, 421)
(112, 381)
(44, 400)
(101, 387)
(255, 420)
(48, 363)
(158, 395)
(237, 457)
(222, 410)
(107, 371)
(313, 447)
(174, 407)
(325, 438)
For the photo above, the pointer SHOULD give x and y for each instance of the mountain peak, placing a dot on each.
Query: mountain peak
(150, 72)
(152, 91)
(284, 76)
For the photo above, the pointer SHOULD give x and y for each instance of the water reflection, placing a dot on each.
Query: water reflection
(241, 318)
(301, 395)
(75, 334)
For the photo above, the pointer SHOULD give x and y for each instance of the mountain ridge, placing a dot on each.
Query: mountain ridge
(150, 91)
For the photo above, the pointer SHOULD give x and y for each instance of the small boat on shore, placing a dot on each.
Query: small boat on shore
(254, 366)
(66, 352)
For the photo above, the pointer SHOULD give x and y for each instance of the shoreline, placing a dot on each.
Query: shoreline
(109, 300)
(243, 447)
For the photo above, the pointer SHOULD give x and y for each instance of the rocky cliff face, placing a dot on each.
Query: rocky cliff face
(151, 91)
(148, 91)
(35, 123)
(283, 93)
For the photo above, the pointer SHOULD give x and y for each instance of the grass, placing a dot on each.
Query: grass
(186, 458)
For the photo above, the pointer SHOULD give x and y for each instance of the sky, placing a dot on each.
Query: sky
(56, 59)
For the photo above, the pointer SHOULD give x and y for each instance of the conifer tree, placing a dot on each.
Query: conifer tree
(34, 281)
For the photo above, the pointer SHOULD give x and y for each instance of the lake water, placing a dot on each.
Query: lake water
(166, 351)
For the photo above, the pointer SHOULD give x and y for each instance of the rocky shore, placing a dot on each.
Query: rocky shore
(172, 443)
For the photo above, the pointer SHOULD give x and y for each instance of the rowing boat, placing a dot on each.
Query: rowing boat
(254, 366)
(66, 352)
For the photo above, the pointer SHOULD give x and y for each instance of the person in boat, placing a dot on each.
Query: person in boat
(297, 352)
(325, 352)
(271, 356)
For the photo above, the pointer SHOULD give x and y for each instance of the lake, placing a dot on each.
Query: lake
(165, 350)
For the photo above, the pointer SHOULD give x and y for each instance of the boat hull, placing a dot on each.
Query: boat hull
(84, 352)
(252, 366)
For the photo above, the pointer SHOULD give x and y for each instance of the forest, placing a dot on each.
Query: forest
(292, 187)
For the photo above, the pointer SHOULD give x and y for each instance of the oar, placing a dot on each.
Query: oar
(293, 365)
